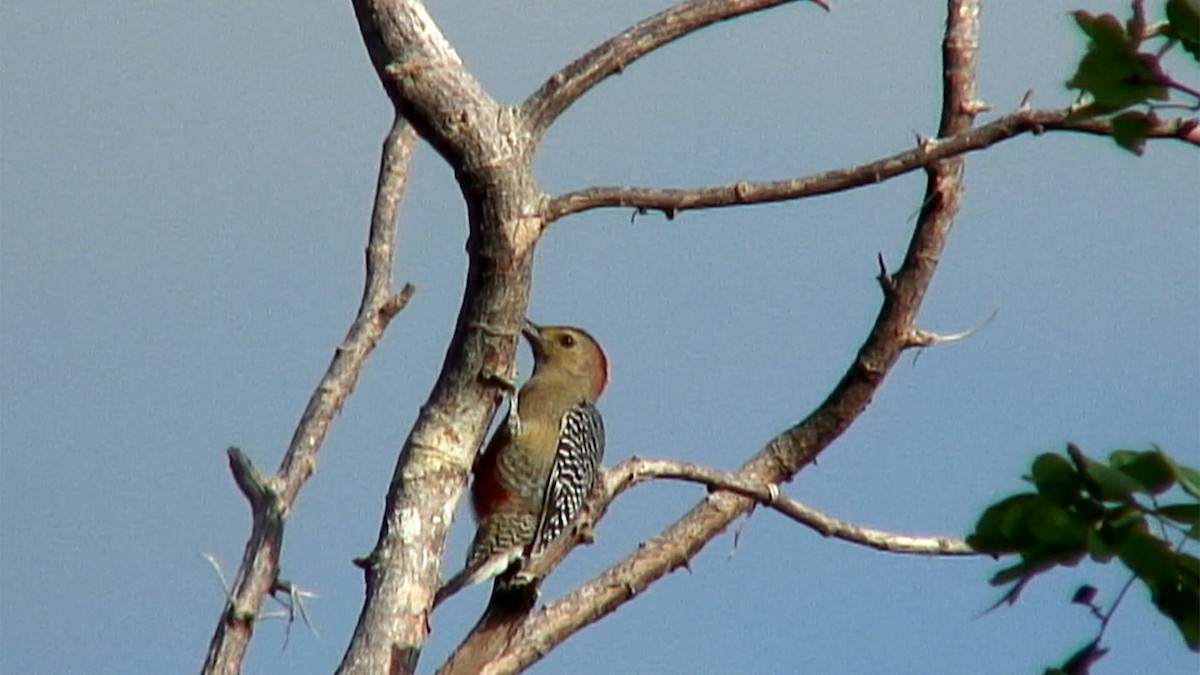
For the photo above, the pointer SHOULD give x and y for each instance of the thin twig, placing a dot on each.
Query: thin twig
(271, 498)
(636, 470)
(1021, 121)
(615, 54)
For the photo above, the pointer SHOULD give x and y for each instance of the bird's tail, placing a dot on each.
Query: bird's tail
(511, 602)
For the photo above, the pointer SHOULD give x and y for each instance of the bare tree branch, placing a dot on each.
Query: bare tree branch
(636, 470)
(1021, 121)
(271, 498)
(425, 78)
(490, 151)
(789, 452)
(615, 54)
(490, 148)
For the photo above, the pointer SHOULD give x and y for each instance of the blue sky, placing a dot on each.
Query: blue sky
(185, 194)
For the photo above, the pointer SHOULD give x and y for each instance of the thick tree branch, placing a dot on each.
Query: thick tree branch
(1022, 121)
(637, 470)
(271, 498)
(789, 452)
(489, 149)
(615, 54)
(426, 79)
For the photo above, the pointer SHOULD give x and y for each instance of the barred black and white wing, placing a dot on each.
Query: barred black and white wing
(573, 474)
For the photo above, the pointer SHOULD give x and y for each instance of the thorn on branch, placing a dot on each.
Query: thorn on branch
(1026, 103)
(294, 605)
(886, 282)
(974, 107)
(737, 533)
(212, 560)
(922, 338)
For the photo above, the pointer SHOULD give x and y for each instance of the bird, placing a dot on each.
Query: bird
(535, 475)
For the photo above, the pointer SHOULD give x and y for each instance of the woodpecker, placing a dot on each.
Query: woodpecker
(543, 461)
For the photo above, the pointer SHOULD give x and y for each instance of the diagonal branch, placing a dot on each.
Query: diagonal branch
(636, 470)
(792, 450)
(613, 55)
(271, 498)
(1019, 122)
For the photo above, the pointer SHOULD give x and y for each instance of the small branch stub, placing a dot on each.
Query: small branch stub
(252, 482)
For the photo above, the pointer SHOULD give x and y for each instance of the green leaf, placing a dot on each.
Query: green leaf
(1009, 574)
(1118, 458)
(1129, 131)
(1113, 71)
(1184, 20)
(1113, 485)
(1181, 604)
(1189, 566)
(1097, 548)
(1189, 479)
(1125, 517)
(1054, 526)
(1056, 478)
(1180, 513)
(1082, 660)
(1104, 31)
(1150, 468)
(1149, 558)
(1001, 528)
(1011, 596)
(1034, 562)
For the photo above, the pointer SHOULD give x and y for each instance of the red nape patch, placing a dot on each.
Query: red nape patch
(605, 373)
(604, 368)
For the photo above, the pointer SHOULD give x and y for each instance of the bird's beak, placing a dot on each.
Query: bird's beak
(531, 331)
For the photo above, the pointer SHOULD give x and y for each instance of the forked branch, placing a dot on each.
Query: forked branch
(792, 450)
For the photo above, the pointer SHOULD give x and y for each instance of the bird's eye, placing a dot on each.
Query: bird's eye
(566, 340)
